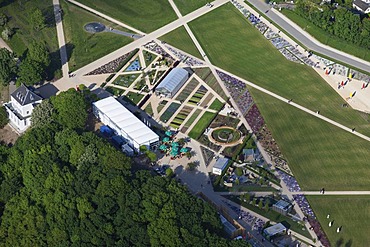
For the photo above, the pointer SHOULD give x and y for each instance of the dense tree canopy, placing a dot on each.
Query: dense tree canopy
(66, 187)
(30, 72)
(37, 51)
(43, 114)
(7, 66)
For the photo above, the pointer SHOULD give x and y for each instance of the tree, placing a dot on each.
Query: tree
(238, 171)
(37, 51)
(70, 109)
(37, 19)
(3, 19)
(260, 204)
(267, 207)
(169, 172)
(151, 155)
(191, 166)
(7, 66)
(30, 72)
(3, 117)
(42, 114)
(247, 197)
(7, 33)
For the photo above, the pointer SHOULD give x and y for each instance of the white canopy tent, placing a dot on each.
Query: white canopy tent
(124, 123)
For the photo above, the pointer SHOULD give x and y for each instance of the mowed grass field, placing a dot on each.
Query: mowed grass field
(350, 212)
(319, 154)
(326, 38)
(187, 6)
(233, 44)
(144, 15)
(179, 38)
(83, 47)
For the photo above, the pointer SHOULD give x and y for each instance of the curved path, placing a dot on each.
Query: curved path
(307, 40)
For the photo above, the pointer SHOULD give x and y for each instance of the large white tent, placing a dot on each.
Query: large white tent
(124, 123)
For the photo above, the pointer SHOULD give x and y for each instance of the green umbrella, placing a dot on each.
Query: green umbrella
(166, 139)
(163, 147)
(184, 150)
(175, 144)
(173, 153)
(168, 133)
(175, 149)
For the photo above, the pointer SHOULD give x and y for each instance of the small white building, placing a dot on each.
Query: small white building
(220, 166)
(172, 83)
(274, 231)
(22, 102)
(125, 124)
(363, 6)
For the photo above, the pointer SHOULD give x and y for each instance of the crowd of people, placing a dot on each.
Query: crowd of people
(109, 67)
(190, 61)
(254, 118)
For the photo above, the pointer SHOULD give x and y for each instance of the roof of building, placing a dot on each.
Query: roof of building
(25, 96)
(173, 79)
(221, 163)
(362, 5)
(126, 121)
(275, 229)
(282, 204)
(227, 225)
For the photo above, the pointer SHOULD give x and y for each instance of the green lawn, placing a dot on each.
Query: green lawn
(202, 124)
(192, 118)
(126, 80)
(216, 105)
(326, 38)
(18, 14)
(242, 50)
(145, 15)
(180, 38)
(187, 6)
(350, 212)
(83, 47)
(134, 97)
(318, 153)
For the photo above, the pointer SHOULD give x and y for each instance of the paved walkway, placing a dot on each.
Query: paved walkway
(61, 40)
(3, 44)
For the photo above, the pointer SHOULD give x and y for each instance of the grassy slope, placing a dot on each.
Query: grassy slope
(145, 15)
(319, 154)
(180, 38)
(326, 38)
(350, 212)
(242, 50)
(202, 124)
(19, 14)
(86, 47)
(187, 6)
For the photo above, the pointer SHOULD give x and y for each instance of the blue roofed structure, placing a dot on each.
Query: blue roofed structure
(172, 83)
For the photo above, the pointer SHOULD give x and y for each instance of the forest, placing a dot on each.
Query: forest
(339, 20)
(62, 185)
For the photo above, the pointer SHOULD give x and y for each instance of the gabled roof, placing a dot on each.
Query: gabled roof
(24, 96)
(173, 79)
(362, 5)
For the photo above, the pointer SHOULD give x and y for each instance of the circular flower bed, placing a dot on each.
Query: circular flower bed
(226, 135)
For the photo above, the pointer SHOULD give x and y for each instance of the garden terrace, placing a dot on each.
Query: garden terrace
(222, 120)
(148, 109)
(187, 90)
(206, 142)
(115, 91)
(126, 80)
(141, 85)
(202, 124)
(148, 57)
(197, 96)
(190, 120)
(255, 119)
(134, 98)
(172, 108)
(206, 100)
(226, 135)
(161, 105)
(208, 155)
(181, 116)
(206, 75)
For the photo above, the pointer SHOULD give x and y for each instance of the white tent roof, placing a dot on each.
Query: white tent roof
(126, 121)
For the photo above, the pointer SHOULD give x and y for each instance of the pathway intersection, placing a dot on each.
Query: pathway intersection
(196, 182)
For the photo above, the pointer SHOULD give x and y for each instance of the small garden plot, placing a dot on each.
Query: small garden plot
(226, 135)
(206, 75)
(234, 151)
(202, 124)
(216, 105)
(161, 105)
(125, 80)
(206, 142)
(141, 85)
(134, 97)
(197, 96)
(222, 120)
(181, 116)
(148, 57)
(208, 155)
(134, 65)
(115, 91)
(169, 112)
(159, 75)
(148, 109)
(186, 91)
(151, 76)
(190, 121)
(206, 100)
